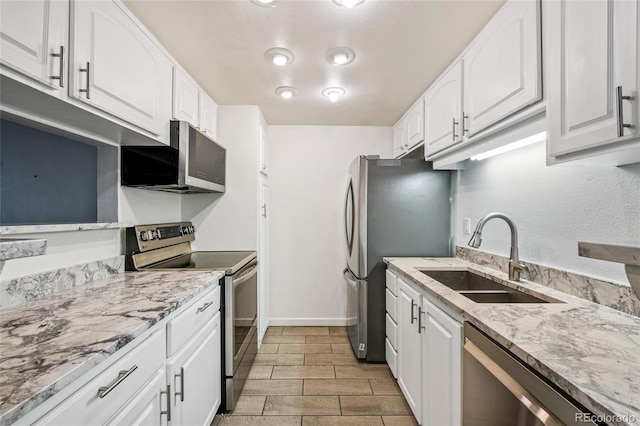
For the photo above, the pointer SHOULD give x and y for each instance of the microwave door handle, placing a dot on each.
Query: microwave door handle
(521, 394)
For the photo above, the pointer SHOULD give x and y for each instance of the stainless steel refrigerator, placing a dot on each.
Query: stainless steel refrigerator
(396, 208)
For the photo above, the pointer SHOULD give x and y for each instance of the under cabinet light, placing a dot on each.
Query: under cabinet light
(538, 137)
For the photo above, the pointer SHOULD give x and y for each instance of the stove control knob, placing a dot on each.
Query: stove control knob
(192, 229)
(143, 236)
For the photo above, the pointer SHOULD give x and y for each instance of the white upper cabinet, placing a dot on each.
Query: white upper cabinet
(415, 124)
(116, 67)
(208, 115)
(399, 146)
(34, 41)
(592, 51)
(264, 150)
(502, 67)
(443, 111)
(186, 98)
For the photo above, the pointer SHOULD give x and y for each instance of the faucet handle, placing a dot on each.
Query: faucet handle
(515, 268)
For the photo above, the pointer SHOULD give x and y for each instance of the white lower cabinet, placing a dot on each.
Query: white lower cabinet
(195, 384)
(391, 341)
(427, 356)
(149, 407)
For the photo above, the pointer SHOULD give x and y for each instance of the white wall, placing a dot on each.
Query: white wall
(552, 207)
(309, 166)
(229, 221)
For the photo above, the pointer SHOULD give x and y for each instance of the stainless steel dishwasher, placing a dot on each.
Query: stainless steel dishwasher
(498, 390)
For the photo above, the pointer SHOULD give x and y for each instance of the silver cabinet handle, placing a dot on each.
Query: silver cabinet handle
(204, 307)
(264, 211)
(620, 125)
(59, 77)
(453, 130)
(87, 90)
(105, 390)
(181, 375)
(420, 314)
(168, 411)
(464, 126)
(413, 304)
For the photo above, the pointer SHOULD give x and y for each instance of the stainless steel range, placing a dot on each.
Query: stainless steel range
(168, 246)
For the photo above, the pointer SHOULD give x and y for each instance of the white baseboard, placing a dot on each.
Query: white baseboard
(335, 322)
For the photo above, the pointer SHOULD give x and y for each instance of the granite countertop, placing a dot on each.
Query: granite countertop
(45, 345)
(590, 351)
(13, 248)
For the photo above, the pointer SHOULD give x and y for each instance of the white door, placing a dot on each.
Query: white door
(399, 141)
(443, 112)
(195, 378)
(208, 115)
(148, 407)
(593, 49)
(186, 98)
(34, 40)
(263, 260)
(415, 124)
(442, 377)
(502, 68)
(117, 68)
(409, 347)
(264, 151)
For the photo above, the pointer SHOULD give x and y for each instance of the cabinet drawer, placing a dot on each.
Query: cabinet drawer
(392, 330)
(124, 378)
(392, 305)
(392, 357)
(189, 322)
(392, 282)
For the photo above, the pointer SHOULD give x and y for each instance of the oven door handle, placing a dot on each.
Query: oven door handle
(253, 270)
(521, 394)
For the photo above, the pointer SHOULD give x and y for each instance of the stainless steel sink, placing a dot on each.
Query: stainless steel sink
(483, 290)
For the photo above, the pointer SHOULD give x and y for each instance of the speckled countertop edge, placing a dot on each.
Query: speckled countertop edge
(590, 351)
(100, 318)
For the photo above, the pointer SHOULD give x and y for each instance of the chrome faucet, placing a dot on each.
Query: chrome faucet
(515, 266)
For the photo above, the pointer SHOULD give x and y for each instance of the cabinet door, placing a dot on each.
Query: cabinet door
(442, 377)
(443, 112)
(415, 124)
(399, 141)
(195, 378)
(33, 40)
(145, 408)
(263, 259)
(409, 347)
(117, 68)
(208, 115)
(186, 98)
(593, 49)
(502, 68)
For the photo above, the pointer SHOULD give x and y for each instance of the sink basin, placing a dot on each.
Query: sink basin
(481, 289)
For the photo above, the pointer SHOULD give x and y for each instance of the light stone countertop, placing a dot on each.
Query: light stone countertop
(45, 345)
(590, 351)
(13, 248)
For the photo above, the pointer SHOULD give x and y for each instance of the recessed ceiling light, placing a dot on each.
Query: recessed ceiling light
(286, 92)
(265, 3)
(279, 56)
(348, 3)
(333, 93)
(340, 56)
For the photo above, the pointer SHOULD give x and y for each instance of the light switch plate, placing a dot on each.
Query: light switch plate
(466, 226)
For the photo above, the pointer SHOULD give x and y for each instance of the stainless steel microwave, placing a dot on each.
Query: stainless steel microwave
(192, 163)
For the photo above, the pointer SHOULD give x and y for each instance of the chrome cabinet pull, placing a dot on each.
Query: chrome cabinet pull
(87, 90)
(181, 375)
(59, 77)
(453, 130)
(168, 411)
(123, 374)
(464, 127)
(420, 314)
(620, 125)
(204, 307)
(413, 304)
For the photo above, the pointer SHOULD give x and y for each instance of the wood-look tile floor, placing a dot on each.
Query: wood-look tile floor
(309, 376)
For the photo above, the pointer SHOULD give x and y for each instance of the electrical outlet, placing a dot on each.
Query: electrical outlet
(466, 226)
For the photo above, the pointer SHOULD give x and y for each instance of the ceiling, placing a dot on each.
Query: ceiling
(401, 47)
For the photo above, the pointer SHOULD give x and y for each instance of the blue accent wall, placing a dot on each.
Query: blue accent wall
(45, 178)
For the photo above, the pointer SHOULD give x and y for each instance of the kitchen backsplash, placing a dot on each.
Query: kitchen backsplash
(612, 295)
(34, 287)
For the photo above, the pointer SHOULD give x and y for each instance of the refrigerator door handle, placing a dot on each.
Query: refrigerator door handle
(349, 216)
